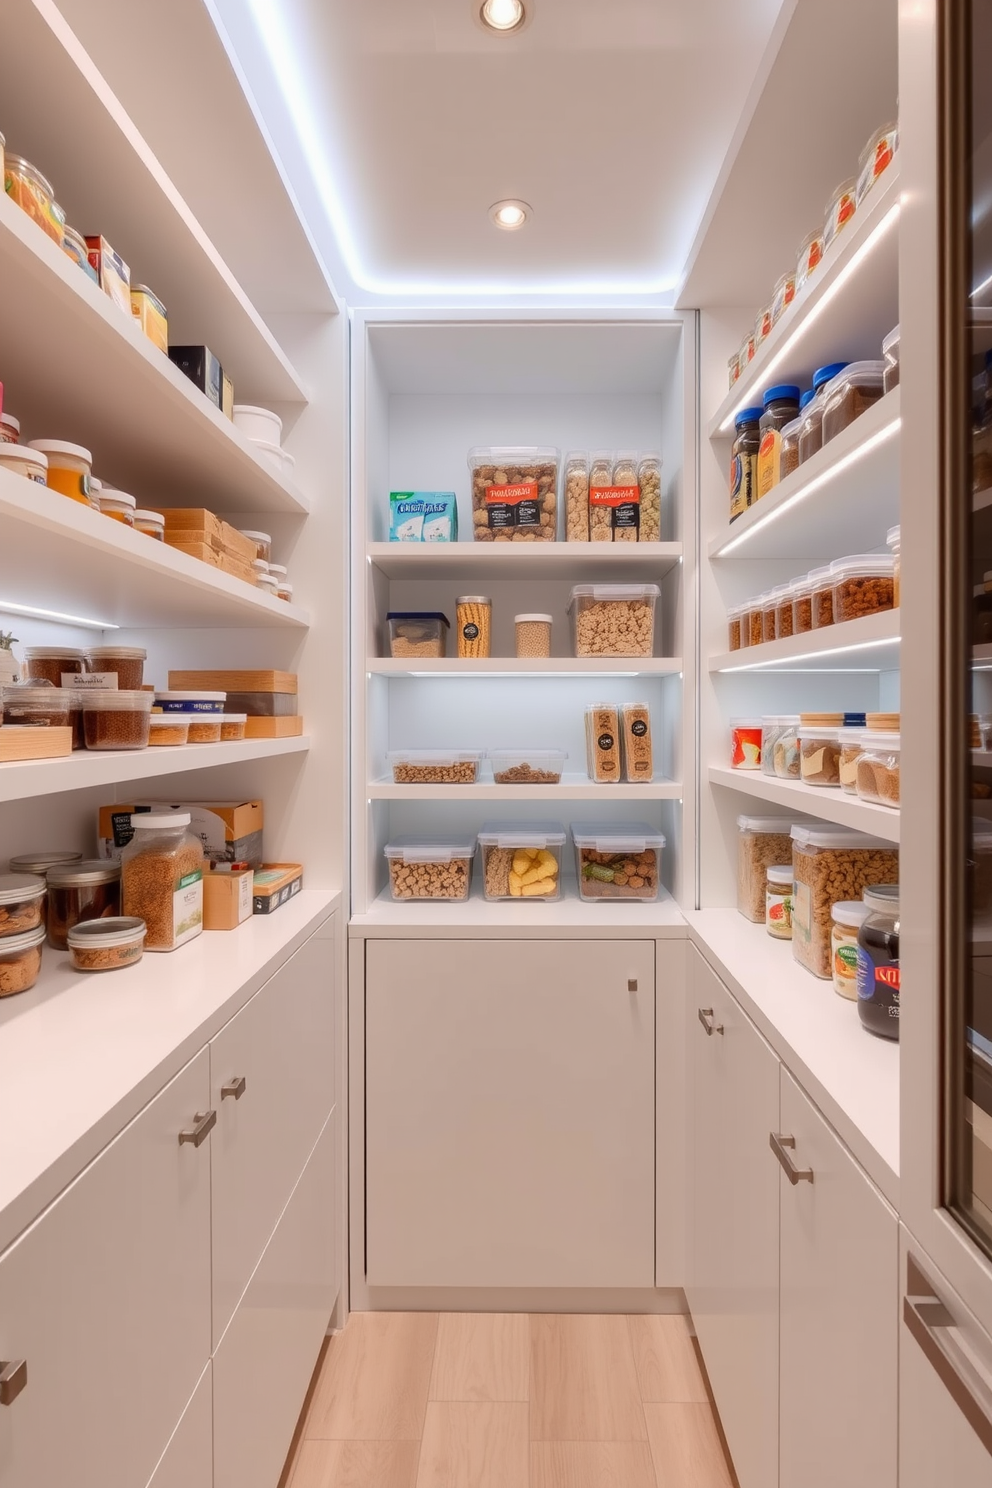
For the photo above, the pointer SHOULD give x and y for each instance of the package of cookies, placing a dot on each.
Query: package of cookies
(514, 493)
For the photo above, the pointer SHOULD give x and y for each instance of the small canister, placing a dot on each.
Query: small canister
(81, 891)
(533, 635)
(69, 469)
(778, 901)
(474, 624)
(847, 917)
(151, 523)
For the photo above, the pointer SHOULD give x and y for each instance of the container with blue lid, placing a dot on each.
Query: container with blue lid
(826, 374)
(782, 392)
(747, 416)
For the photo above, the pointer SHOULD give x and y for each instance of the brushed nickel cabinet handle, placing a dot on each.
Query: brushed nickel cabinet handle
(782, 1146)
(235, 1087)
(203, 1124)
(934, 1329)
(13, 1378)
(705, 1016)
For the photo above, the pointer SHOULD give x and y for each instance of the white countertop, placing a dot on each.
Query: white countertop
(852, 1076)
(81, 1055)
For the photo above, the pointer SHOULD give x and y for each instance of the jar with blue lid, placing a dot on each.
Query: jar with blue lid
(781, 407)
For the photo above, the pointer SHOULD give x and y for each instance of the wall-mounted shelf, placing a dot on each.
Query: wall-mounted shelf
(870, 644)
(574, 788)
(62, 556)
(111, 767)
(572, 917)
(843, 498)
(581, 562)
(512, 666)
(828, 804)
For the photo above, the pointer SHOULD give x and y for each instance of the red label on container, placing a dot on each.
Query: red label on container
(512, 495)
(614, 495)
(746, 749)
(888, 976)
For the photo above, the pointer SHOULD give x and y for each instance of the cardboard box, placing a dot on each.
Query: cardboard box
(227, 898)
(226, 395)
(274, 884)
(230, 681)
(231, 831)
(201, 367)
(113, 274)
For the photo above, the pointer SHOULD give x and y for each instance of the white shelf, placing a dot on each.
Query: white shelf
(852, 1076)
(76, 367)
(581, 562)
(61, 555)
(571, 918)
(82, 770)
(824, 802)
(106, 1044)
(571, 788)
(870, 644)
(108, 180)
(845, 497)
(842, 313)
(512, 666)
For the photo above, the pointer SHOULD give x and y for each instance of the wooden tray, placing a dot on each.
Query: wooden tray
(273, 728)
(287, 682)
(30, 742)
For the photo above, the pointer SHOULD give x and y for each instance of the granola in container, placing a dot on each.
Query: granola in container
(649, 478)
(613, 619)
(832, 865)
(435, 766)
(514, 493)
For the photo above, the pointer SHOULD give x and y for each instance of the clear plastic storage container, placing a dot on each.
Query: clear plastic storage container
(48, 663)
(613, 619)
(21, 459)
(151, 523)
(786, 762)
(577, 497)
(604, 757)
(162, 878)
(784, 611)
(876, 157)
(850, 394)
(762, 841)
(69, 469)
(527, 766)
(40, 706)
(168, 729)
(890, 360)
(649, 480)
(802, 606)
(840, 210)
(430, 868)
(862, 585)
(822, 593)
(811, 419)
(20, 961)
(417, 633)
(851, 748)
(81, 891)
(118, 506)
(617, 861)
(435, 766)
(22, 903)
(878, 769)
(117, 720)
(734, 623)
(515, 493)
(831, 865)
(819, 756)
(126, 662)
(893, 541)
(533, 635)
(522, 860)
(107, 945)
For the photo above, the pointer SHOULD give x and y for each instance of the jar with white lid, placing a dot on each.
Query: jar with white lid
(268, 584)
(893, 542)
(533, 635)
(778, 900)
(878, 769)
(819, 755)
(162, 878)
(771, 728)
(862, 585)
(21, 459)
(822, 592)
(802, 606)
(851, 750)
(262, 541)
(10, 429)
(846, 919)
(117, 505)
(785, 761)
(784, 611)
(151, 523)
(279, 570)
(69, 469)
(285, 591)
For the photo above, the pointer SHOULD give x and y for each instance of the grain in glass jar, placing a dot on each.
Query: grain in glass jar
(474, 625)
(126, 662)
(117, 720)
(533, 633)
(81, 891)
(822, 588)
(162, 878)
(47, 663)
(600, 478)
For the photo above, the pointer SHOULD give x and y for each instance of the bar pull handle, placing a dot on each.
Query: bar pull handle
(235, 1087)
(959, 1370)
(203, 1124)
(631, 984)
(708, 1021)
(782, 1146)
(13, 1378)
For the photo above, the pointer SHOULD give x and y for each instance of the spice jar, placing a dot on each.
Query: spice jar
(734, 619)
(782, 296)
(878, 769)
(850, 394)
(473, 624)
(789, 448)
(744, 461)
(784, 611)
(802, 606)
(771, 728)
(285, 591)
(533, 634)
(81, 891)
(33, 193)
(10, 430)
(162, 878)
(233, 726)
(878, 961)
(819, 748)
(786, 763)
(840, 210)
(151, 523)
(262, 541)
(126, 662)
(851, 749)
(763, 325)
(107, 945)
(577, 497)
(755, 621)
(39, 704)
(69, 469)
(768, 603)
(847, 917)
(117, 720)
(745, 735)
(810, 254)
(862, 585)
(204, 728)
(876, 157)
(21, 459)
(22, 903)
(649, 480)
(746, 354)
(40, 862)
(781, 407)
(778, 901)
(733, 368)
(811, 421)
(48, 663)
(893, 541)
(20, 961)
(822, 590)
(117, 505)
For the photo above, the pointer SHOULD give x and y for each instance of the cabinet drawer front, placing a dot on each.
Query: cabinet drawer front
(510, 1113)
(263, 1366)
(107, 1298)
(733, 1218)
(281, 1045)
(188, 1459)
(839, 1313)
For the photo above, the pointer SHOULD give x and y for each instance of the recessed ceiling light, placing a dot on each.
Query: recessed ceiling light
(509, 215)
(503, 15)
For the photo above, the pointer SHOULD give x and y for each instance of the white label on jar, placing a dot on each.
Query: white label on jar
(187, 907)
(82, 681)
(778, 913)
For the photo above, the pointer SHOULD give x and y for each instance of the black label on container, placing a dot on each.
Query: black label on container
(605, 742)
(639, 729)
(470, 632)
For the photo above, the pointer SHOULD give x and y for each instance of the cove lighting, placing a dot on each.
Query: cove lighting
(503, 15)
(814, 485)
(790, 661)
(509, 215)
(510, 676)
(33, 610)
(744, 397)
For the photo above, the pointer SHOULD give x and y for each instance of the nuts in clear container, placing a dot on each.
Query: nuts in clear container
(514, 494)
(617, 861)
(434, 767)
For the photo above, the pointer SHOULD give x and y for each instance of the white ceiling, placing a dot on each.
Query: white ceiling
(400, 122)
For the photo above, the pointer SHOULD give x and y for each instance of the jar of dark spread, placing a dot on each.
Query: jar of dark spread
(744, 461)
(878, 961)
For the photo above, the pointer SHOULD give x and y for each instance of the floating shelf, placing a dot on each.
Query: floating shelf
(575, 917)
(512, 666)
(110, 767)
(842, 313)
(65, 557)
(581, 562)
(870, 644)
(576, 788)
(818, 801)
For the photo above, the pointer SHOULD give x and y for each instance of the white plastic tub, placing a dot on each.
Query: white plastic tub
(258, 424)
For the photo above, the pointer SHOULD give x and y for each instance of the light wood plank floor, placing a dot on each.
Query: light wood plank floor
(472, 1400)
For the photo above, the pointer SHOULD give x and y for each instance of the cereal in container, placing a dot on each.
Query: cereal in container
(831, 865)
(48, 663)
(784, 611)
(734, 624)
(603, 743)
(417, 633)
(429, 868)
(626, 499)
(434, 766)
(762, 841)
(20, 961)
(613, 619)
(22, 903)
(577, 498)
(802, 606)
(649, 479)
(822, 588)
(600, 478)
(862, 585)
(527, 766)
(126, 662)
(107, 945)
(117, 720)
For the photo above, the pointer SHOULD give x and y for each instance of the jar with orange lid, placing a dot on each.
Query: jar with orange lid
(69, 469)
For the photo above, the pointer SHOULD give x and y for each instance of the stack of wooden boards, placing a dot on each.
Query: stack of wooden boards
(269, 698)
(196, 531)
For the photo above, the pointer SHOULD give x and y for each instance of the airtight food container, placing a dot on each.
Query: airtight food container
(168, 729)
(514, 493)
(890, 358)
(40, 705)
(22, 903)
(117, 720)
(417, 633)
(851, 749)
(850, 394)
(620, 861)
(613, 619)
(876, 157)
(69, 468)
(190, 702)
(258, 424)
(862, 585)
(435, 766)
(832, 865)
(107, 945)
(424, 868)
(117, 505)
(20, 961)
(233, 726)
(262, 541)
(204, 728)
(126, 662)
(21, 459)
(840, 210)
(762, 842)
(522, 860)
(33, 193)
(878, 769)
(151, 523)
(527, 766)
(48, 663)
(810, 254)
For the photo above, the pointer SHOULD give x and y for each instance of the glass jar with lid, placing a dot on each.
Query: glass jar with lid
(846, 918)
(878, 961)
(33, 193)
(811, 421)
(789, 451)
(784, 612)
(162, 878)
(81, 891)
(778, 900)
(840, 210)
(786, 762)
(151, 523)
(117, 505)
(809, 257)
(851, 750)
(876, 157)
(744, 461)
(782, 296)
(48, 663)
(69, 469)
(781, 407)
(802, 606)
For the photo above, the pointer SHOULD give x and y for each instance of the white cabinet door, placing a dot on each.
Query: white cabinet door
(733, 1216)
(281, 1046)
(839, 1312)
(188, 1459)
(107, 1299)
(264, 1363)
(510, 1113)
